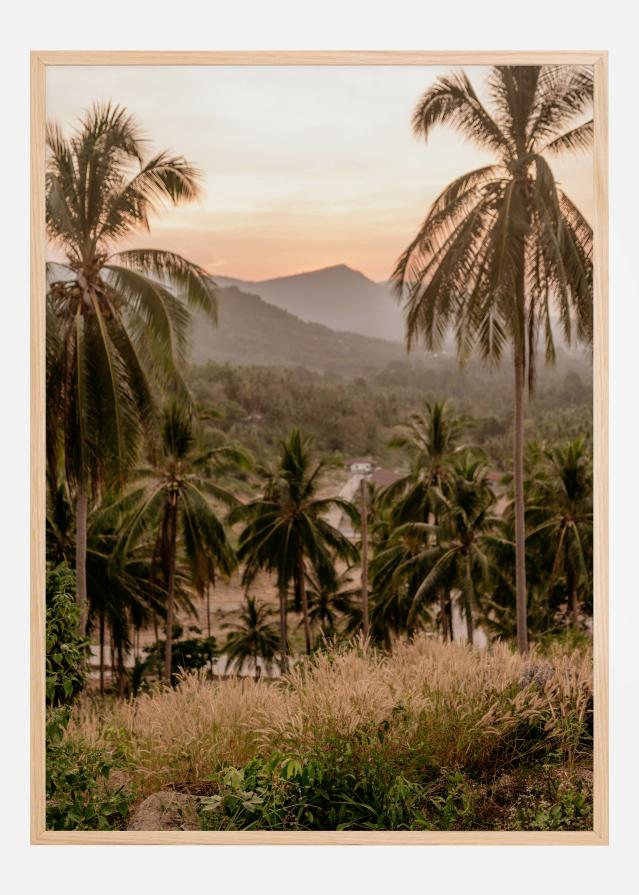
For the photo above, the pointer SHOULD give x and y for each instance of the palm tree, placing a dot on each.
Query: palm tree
(397, 570)
(177, 493)
(429, 438)
(330, 598)
(460, 555)
(286, 528)
(503, 246)
(254, 637)
(117, 321)
(561, 509)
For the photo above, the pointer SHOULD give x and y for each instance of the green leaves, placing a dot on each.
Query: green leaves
(66, 649)
(79, 791)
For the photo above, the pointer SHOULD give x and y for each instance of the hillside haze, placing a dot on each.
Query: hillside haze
(337, 297)
(251, 331)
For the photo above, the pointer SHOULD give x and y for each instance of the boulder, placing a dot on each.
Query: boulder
(166, 810)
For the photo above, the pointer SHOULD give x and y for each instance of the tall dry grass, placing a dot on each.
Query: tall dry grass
(429, 706)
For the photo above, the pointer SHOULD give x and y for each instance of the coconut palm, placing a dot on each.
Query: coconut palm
(397, 571)
(330, 597)
(117, 321)
(560, 509)
(177, 492)
(429, 438)
(252, 638)
(286, 529)
(503, 247)
(460, 555)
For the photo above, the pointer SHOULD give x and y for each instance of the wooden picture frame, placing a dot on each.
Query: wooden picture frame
(40, 60)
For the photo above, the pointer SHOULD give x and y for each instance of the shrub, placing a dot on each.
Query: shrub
(334, 791)
(81, 790)
(190, 654)
(66, 649)
(554, 806)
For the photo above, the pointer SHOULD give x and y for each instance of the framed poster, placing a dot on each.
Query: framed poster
(319, 448)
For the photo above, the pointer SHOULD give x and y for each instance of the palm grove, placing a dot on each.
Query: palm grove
(151, 506)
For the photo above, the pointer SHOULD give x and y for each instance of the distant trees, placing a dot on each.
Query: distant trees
(253, 638)
(503, 245)
(561, 518)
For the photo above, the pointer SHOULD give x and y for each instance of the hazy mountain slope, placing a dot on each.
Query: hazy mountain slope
(251, 331)
(337, 297)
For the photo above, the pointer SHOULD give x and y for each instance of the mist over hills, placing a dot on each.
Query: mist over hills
(337, 297)
(251, 331)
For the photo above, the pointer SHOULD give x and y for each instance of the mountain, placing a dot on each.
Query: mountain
(338, 297)
(251, 331)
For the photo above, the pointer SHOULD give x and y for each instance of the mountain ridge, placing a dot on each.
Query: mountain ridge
(339, 297)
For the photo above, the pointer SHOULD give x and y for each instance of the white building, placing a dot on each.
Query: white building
(360, 466)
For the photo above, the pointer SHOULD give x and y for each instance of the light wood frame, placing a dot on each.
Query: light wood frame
(39, 61)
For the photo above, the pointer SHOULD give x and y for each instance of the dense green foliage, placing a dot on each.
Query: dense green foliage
(335, 790)
(81, 791)
(66, 648)
(259, 405)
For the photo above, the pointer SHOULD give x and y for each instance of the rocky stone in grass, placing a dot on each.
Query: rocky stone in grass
(166, 810)
(538, 674)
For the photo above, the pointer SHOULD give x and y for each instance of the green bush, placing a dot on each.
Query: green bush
(66, 649)
(337, 789)
(557, 807)
(81, 791)
(190, 654)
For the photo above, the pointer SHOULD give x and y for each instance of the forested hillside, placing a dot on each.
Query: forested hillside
(347, 416)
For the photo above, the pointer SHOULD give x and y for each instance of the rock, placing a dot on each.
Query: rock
(166, 810)
(538, 674)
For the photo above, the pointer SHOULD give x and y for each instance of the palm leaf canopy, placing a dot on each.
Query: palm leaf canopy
(289, 515)
(117, 321)
(503, 249)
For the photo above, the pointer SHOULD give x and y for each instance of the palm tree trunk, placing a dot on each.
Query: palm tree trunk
(81, 511)
(520, 521)
(469, 592)
(449, 616)
(304, 600)
(443, 614)
(170, 590)
(283, 630)
(365, 619)
(120, 668)
(208, 609)
(574, 599)
(102, 653)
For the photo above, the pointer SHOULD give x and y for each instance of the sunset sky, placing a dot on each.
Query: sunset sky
(304, 167)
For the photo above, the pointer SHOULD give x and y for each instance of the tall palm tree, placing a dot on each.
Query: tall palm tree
(503, 246)
(252, 638)
(117, 321)
(286, 528)
(560, 509)
(177, 493)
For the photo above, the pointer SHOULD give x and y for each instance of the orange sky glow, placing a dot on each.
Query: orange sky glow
(303, 167)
